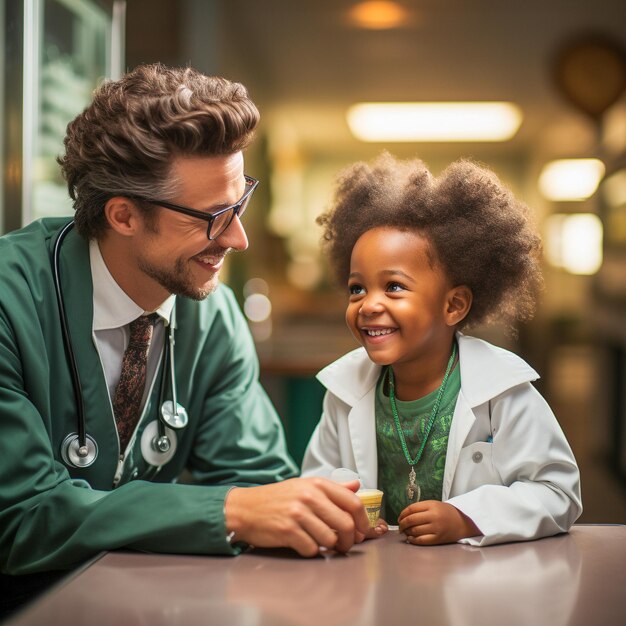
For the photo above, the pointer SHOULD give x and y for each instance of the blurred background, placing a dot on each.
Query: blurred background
(552, 77)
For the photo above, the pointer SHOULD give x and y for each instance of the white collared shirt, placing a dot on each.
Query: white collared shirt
(113, 311)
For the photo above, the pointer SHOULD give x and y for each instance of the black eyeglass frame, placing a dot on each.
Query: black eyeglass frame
(236, 209)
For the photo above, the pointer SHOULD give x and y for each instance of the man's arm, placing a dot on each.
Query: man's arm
(241, 440)
(238, 438)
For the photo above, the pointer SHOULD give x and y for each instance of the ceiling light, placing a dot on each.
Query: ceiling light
(434, 121)
(378, 15)
(574, 242)
(570, 179)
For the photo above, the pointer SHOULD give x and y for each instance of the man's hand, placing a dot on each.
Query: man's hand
(432, 522)
(301, 513)
(378, 531)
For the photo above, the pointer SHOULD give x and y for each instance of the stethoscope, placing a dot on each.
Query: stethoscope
(158, 441)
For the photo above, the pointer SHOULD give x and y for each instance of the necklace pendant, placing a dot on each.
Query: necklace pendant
(413, 491)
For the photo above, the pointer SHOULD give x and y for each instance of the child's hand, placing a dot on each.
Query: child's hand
(432, 522)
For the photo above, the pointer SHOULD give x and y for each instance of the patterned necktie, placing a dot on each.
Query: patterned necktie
(129, 390)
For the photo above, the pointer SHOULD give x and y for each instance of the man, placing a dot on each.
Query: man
(155, 168)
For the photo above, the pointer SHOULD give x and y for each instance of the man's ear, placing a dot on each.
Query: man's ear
(122, 215)
(458, 304)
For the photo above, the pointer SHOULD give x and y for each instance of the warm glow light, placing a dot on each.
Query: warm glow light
(255, 285)
(570, 179)
(615, 189)
(257, 307)
(434, 121)
(574, 242)
(378, 15)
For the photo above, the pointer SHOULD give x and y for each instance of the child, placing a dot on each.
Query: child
(448, 426)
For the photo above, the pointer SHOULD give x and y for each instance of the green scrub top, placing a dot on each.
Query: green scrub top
(53, 516)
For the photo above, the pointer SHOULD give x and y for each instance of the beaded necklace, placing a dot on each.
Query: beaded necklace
(413, 490)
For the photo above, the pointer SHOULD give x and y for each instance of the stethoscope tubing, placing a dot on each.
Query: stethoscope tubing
(166, 356)
(69, 353)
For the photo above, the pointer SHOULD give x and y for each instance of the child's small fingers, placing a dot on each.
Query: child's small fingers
(412, 509)
(410, 521)
(405, 513)
(423, 540)
(420, 530)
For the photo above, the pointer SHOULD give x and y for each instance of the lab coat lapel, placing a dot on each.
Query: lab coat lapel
(362, 427)
(462, 422)
(352, 378)
(486, 371)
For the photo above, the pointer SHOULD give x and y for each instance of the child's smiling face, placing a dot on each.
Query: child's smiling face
(402, 307)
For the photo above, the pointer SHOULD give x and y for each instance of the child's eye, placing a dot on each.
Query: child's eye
(355, 290)
(395, 287)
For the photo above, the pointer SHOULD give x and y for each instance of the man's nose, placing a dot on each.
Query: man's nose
(234, 236)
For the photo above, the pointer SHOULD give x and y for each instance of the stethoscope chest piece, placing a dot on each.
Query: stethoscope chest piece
(157, 448)
(75, 455)
(174, 419)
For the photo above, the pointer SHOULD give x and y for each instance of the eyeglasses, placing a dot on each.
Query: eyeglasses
(218, 221)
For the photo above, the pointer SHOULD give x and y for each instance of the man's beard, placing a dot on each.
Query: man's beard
(179, 280)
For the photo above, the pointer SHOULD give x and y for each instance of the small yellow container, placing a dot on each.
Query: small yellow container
(372, 500)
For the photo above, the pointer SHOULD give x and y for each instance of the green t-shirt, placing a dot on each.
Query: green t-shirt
(393, 469)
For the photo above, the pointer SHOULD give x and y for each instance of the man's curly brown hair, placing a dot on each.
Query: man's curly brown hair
(478, 232)
(125, 141)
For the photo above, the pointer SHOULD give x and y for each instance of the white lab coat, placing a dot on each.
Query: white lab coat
(508, 465)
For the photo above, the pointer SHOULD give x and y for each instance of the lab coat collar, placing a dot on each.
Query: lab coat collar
(112, 307)
(486, 372)
(351, 377)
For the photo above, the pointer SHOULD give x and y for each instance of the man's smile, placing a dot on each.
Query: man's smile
(211, 261)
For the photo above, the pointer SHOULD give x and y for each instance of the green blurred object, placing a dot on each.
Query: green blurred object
(298, 400)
